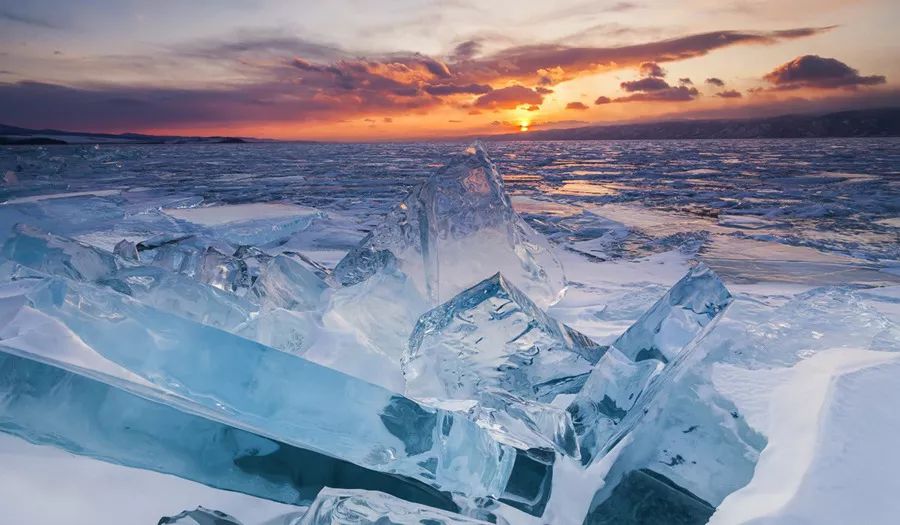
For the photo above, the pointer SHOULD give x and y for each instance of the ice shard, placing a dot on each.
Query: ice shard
(364, 507)
(53, 406)
(457, 226)
(380, 313)
(286, 283)
(677, 318)
(57, 255)
(202, 370)
(199, 516)
(180, 295)
(165, 290)
(644, 497)
(491, 345)
(205, 260)
(644, 359)
(127, 250)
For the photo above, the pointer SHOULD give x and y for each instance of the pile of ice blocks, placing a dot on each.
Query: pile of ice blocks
(419, 381)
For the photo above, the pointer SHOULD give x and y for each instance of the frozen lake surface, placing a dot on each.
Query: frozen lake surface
(243, 238)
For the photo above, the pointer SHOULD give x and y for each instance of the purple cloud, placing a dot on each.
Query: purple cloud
(645, 84)
(813, 71)
(652, 69)
(510, 98)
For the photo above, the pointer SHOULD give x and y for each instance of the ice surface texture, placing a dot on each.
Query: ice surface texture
(644, 359)
(203, 370)
(456, 228)
(493, 346)
(361, 507)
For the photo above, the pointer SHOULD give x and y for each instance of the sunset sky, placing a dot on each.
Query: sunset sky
(396, 69)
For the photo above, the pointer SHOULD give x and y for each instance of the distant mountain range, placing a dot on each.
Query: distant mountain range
(12, 135)
(883, 122)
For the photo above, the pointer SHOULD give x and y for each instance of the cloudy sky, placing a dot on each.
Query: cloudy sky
(374, 70)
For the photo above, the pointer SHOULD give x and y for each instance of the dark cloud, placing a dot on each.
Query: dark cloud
(801, 32)
(580, 106)
(552, 63)
(713, 81)
(450, 89)
(685, 81)
(652, 89)
(729, 93)
(113, 107)
(621, 7)
(509, 98)
(543, 90)
(652, 69)
(387, 120)
(671, 94)
(27, 19)
(244, 44)
(813, 71)
(645, 84)
(466, 50)
(436, 67)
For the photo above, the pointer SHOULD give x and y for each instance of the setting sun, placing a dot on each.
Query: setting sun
(523, 125)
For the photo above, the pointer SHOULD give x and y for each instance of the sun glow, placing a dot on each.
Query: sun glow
(523, 125)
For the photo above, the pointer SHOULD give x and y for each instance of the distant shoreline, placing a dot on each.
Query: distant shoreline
(867, 123)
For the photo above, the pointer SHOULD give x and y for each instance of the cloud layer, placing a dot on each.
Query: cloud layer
(283, 78)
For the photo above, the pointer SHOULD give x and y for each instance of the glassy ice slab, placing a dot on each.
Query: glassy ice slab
(57, 255)
(456, 227)
(641, 361)
(48, 405)
(492, 346)
(677, 318)
(643, 497)
(205, 371)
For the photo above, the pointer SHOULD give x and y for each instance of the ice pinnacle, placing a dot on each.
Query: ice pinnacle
(455, 228)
